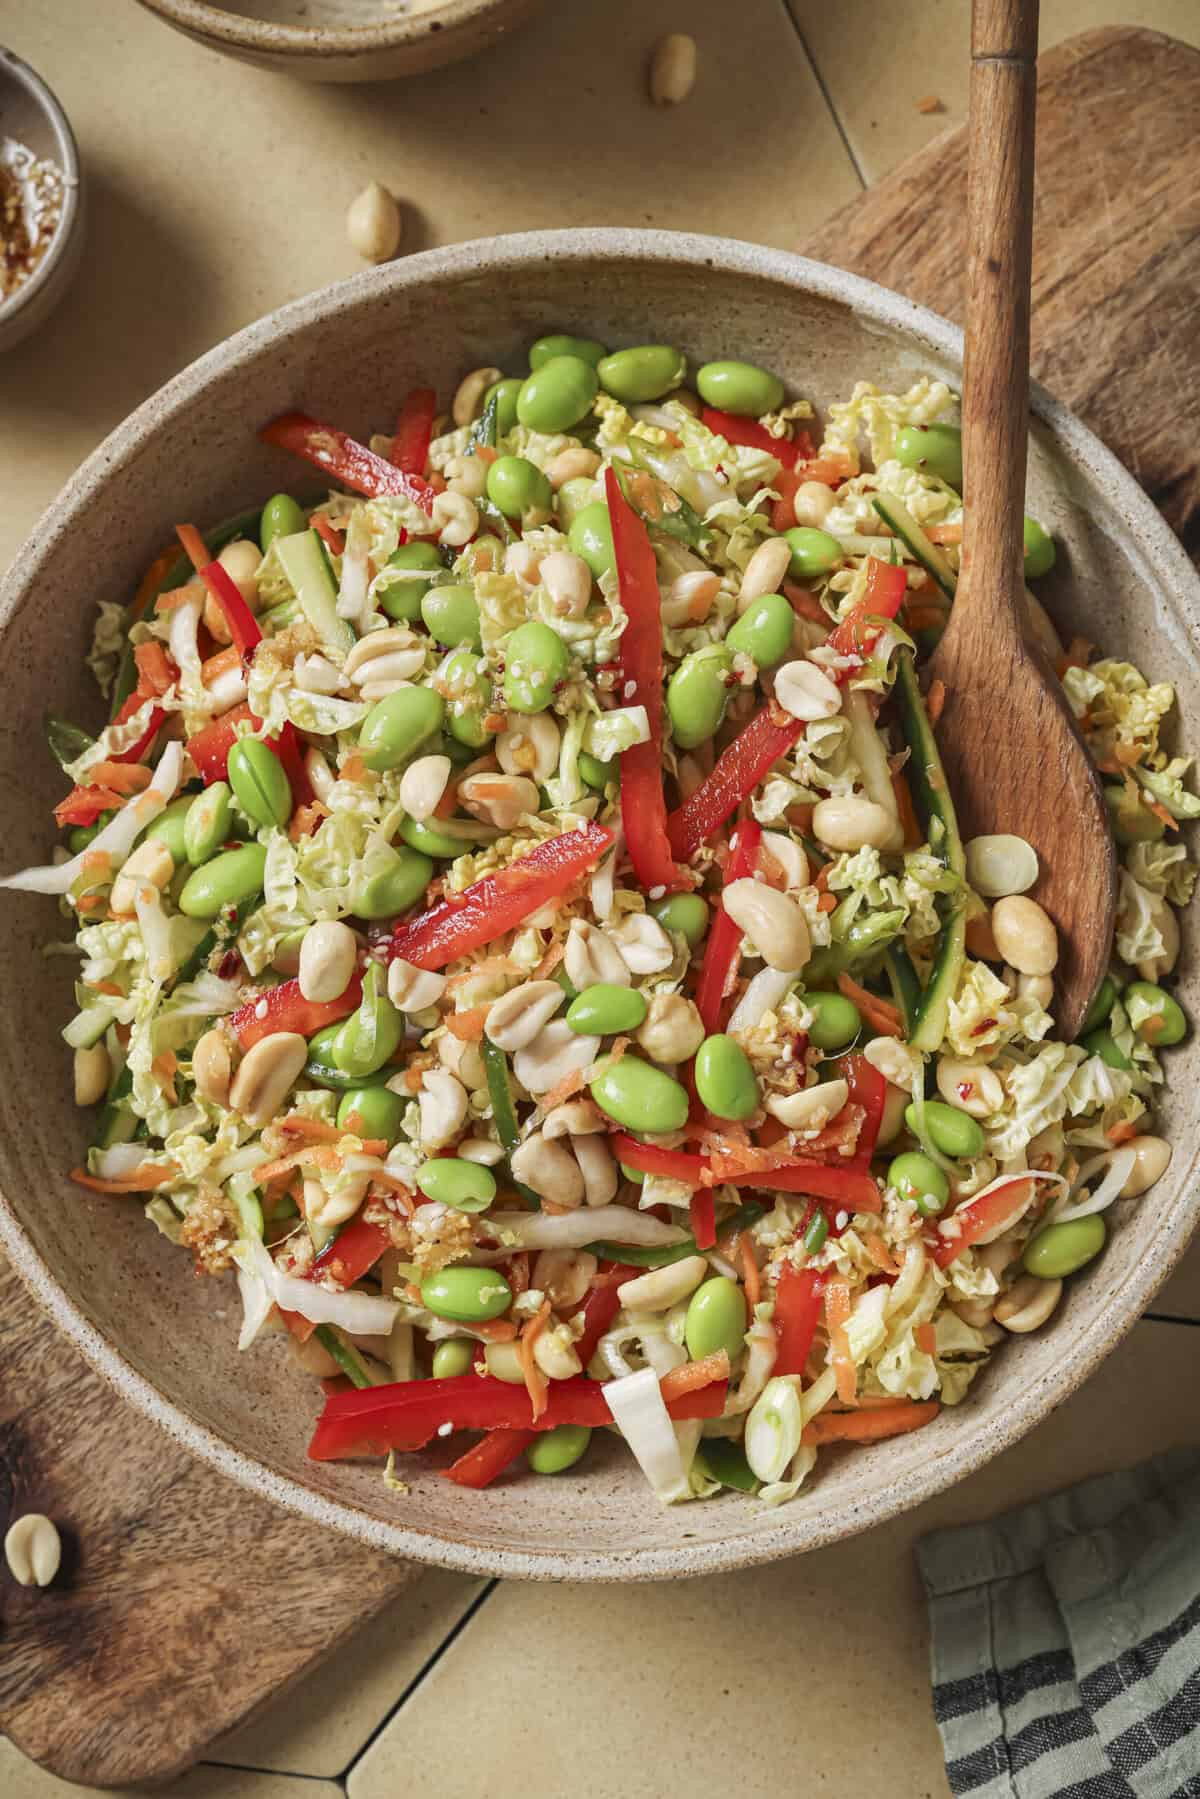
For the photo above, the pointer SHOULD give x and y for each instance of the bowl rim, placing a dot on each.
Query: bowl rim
(67, 155)
(518, 253)
(235, 31)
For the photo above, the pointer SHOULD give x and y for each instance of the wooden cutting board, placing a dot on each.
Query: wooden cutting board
(185, 1604)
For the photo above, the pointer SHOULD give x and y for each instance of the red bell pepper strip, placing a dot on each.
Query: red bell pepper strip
(499, 902)
(649, 1158)
(489, 1457)
(136, 700)
(783, 509)
(406, 1415)
(756, 437)
(982, 1217)
(724, 937)
(868, 1089)
(601, 1307)
(752, 754)
(702, 1216)
(352, 1253)
(284, 1008)
(797, 1311)
(330, 536)
(243, 627)
(209, 749)
(346, 461)
(643, 804)
(414, 428)
(849, 1188)
(83, 805)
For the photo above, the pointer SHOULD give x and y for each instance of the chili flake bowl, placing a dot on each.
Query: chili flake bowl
(32, 117)
(122, 1293)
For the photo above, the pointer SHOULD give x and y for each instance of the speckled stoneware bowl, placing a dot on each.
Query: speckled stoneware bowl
(121, 1292)
(345, 40)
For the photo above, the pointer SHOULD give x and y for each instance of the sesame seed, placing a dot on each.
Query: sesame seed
(445, 1430)
(841, 1221)
(629, 689)
(261, 1009)
(656, 893)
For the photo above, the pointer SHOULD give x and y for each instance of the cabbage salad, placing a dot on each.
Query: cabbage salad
(523, 931)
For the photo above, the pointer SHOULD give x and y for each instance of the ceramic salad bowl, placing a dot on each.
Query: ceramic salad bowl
(121, 1292)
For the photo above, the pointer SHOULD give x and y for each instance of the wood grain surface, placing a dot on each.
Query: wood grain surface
(185, 1604)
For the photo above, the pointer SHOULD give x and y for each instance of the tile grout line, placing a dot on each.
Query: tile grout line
(1170, 1318)
(825, 94)
(419, 1677)
(265, 1773)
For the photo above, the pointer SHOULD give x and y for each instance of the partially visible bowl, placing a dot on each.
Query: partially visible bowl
(121, 1292)
(30, 113)
(345, 40)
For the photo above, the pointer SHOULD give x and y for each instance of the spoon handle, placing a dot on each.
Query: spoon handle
(1003, 96)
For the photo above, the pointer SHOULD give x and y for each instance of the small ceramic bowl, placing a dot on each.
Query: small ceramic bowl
(30, 114)
(125, 1295)
(345, 40)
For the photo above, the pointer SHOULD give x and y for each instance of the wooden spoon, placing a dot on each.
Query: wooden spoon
(1015, 759)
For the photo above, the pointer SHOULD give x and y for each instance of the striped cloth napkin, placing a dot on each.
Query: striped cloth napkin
(1066, 1641)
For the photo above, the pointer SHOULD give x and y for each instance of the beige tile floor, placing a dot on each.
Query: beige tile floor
(206, 212)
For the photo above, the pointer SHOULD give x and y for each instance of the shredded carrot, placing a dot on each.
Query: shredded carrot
(880, 1014)
(305, 819)
(353, 769)
(837, 1312)
(159, 569)
(925, 1338)
(489, 966)
(569, 1085)
(1122, 1132)
(871, 1426)
(771, 869)
(496, 1330)
(935, 701)
(879, 1253)
(549, 962)
(155, 671)
(220, 664)
(1078, 654)
(944, 533)
(315, 1130)
(194, 546)
(750, 1276)
(383, 1177)
(323, 1155)
(536, 1384)
(827, 903)
(468, 1026)
(119, 777)
(179, 596)
(906, 809)
(163, 1068)
(1160, 812)
(109, 987)
(691, 1375)
(141, 1180)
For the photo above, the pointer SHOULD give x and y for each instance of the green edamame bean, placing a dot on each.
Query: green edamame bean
(590, 536)
(1101, 1007)
(602, 1010)
(1101, 1043)
(466, 1295)
(636, 1175)
(1131, 821)
(955, 1133)
(597, 774)
(371, 1112)
(764, 631)
(1158, 1019)
(452, 615)
(369, 1036)
(640, 1096)
(647, 372)
(396, 726)
(260, 784)
(453, 1357)
(558, 395)
(816, 1233)
(463, 679)
(547, 348)
(836, 1021)
(1063, 1249)
(208, 823)
(423, 834)
(229, 879)
(686, 913)
(716, 1319)
(168, 829)
(739, 387)
(80, 836)
(554, 1451)
(724, 1460)
(725, 1079)
(396, 883)
(323, 1071)
(934, 449)
(535, 661)
(697, 695)
(574, 497)
(1040, 554)
(403, 601)
(505, 395)
(453, 1181)
(916, 1177)
(814, 553)
(518, 486)
(281, 517)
